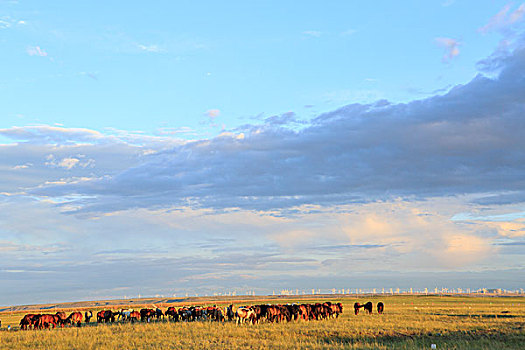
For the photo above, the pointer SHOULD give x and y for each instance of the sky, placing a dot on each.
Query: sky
(192, 148)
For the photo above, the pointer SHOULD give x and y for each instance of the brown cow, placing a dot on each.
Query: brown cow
(75, 318)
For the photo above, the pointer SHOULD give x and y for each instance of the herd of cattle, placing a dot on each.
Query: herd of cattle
(244, 314)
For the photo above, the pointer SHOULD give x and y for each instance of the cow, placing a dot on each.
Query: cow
(380, 307)
(75, 318)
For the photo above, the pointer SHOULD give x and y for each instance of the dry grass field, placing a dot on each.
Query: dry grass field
(409, 322)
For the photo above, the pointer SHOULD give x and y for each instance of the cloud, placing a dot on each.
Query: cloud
(348, 32)
(36, 51)
(312, 33)
(465, 141)
(504, 19)
(373, 187)
(151, 48)
(213, 113)
(69, 162)
(451, 47)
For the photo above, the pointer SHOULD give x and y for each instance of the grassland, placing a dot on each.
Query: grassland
(409, 322)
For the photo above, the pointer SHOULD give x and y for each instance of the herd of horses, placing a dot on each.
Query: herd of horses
(245, 314)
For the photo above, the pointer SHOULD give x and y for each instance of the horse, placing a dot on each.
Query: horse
(229, 312)
(28, 321)
(172, 314)
(62, 317)
(380, 307)
(368, 307)
(134, 316)
(105, 316)
(147, 314)
(159, 313)
(46, 321)
(88, 315)
(75, 317)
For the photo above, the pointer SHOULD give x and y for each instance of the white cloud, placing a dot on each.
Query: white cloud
(503, 19)
(349, 32)
(313, 33)
(213, 113)
(151, 48)
(22, 166)
(451, 47)
(69, 162)
(36, 51)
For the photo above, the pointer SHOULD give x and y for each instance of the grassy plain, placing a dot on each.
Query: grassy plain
(409, 322)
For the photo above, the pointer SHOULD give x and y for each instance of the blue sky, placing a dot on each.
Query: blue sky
(239, 146)
(166, 64)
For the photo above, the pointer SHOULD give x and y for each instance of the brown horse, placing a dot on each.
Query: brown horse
(46, 321)
(28, 321)
(134, 316)
(105, 316)
(147, 314)
(172, 314)
(368, 307)
(75, 318)
(62, 317)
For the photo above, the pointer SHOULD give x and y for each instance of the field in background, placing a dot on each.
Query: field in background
(409, 322)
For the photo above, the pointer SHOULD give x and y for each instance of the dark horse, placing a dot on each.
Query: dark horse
(105, 316)
(368, 307)
(380, 307)
(356, 308)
